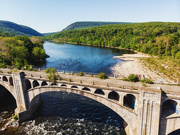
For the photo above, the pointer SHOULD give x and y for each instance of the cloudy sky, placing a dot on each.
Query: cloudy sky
(54, 15)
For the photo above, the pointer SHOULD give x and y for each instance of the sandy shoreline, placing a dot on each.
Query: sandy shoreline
(132, 65)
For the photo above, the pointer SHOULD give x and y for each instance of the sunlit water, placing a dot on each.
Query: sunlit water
(81, 58)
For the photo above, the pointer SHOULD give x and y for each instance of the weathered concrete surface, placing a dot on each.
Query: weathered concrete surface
(143, 119)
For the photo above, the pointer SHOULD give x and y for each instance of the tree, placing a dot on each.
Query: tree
(52, 74)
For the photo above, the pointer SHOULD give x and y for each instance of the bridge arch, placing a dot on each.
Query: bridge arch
(129, 101)
(11, 81)
(86, 89)
(129, 116)
(8, 88)
(99, 91)
(176, 132)
(74, 87)
(169, 107)
(113, 95)
(5, 79)
(63, 85)
(28, 84)
(35, 83)
(44, 83)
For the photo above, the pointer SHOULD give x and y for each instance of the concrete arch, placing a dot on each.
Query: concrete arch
(99, 91)
(86, 89)
(28, 84)
(63, 85)
(44, 83)
(129, 116)
(176, 132)
(113, 95)
(11, 81)
(35, 83)
(169, 107)
(74, 87)
(129, 100)
(9, 88)
(5, 79)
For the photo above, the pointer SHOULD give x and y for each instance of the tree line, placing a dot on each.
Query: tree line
(154, 38)
(20, 51)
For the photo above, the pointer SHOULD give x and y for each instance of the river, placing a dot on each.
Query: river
(81, 58)
(64, 113)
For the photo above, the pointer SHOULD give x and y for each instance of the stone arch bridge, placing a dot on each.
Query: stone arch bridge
(146, 111)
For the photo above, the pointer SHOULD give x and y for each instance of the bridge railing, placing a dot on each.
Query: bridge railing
(75, 72)
(109, 75)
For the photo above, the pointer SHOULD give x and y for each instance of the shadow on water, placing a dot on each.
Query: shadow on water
(69, 105)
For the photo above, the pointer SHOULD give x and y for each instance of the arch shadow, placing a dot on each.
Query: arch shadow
(27, 84)
(168, 108)
(5, 79)
(113, 95)
(99, 91)
(44, 83)
(129, 101)
(176, 132)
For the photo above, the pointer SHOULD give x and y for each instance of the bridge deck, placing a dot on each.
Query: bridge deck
(112, 82)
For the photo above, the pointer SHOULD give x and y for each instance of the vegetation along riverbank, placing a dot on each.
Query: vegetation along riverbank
(159, 39)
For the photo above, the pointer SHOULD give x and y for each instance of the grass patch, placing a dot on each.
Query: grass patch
(165, 66)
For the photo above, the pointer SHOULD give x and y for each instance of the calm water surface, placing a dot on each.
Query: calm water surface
(81, 58)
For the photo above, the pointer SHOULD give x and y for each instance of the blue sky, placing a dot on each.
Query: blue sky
(54, 15)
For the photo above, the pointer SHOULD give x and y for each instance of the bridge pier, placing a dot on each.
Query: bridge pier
(31, 111)
(149, 112)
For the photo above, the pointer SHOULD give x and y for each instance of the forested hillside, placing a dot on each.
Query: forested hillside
(17, 29)
(82, 25)
(20, 51)
(155, 38)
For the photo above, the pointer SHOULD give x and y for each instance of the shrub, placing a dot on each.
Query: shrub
(80, 74)
(147, 81)
(102, 76)
(52, 74)
(133, 78)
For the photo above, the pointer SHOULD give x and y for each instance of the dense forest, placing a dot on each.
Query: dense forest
(20, 51)
(84, 24)
(17, 29)
(154, 38)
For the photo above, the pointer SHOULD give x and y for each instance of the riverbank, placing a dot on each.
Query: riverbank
(132, 64)
(58, 42)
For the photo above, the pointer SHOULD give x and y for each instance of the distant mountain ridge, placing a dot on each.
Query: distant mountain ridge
(10, 27)
(86, 24)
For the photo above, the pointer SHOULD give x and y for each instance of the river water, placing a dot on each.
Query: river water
(81, 58)
(64, 113)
